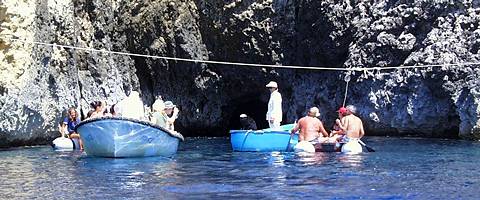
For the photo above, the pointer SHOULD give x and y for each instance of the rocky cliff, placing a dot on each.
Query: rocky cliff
(38, 82)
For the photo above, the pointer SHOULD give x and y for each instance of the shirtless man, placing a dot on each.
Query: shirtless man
(351, 127)
(352, 124)
(310, 127)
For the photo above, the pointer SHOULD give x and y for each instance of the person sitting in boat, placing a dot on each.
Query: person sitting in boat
(159, 117)
(337, 131)
(171, 111)
(311, 128)
(69, 124)
(247, 122)
(161, 112)
(132, 106)
(351, 130)
(98, 109)
(112, 110)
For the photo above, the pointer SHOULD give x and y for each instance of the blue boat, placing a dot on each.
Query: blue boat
(264, 140)
(122, 137)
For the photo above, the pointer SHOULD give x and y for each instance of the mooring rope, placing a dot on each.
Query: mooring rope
(346, 79)
(239, 63)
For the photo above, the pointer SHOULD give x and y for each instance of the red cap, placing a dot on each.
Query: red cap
(342, 110)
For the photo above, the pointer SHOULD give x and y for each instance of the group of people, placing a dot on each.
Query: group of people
(163, 114)
(348, 127)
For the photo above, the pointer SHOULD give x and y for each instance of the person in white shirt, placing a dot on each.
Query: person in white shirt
(131, 107)
(274, 113)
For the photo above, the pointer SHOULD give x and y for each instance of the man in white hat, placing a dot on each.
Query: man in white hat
(311, 128)
(171, 112)
(274, 113)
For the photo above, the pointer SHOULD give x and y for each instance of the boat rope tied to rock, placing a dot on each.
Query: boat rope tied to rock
(346, 79)
(351, 69)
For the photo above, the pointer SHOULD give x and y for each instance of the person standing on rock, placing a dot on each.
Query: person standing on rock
(274, 113)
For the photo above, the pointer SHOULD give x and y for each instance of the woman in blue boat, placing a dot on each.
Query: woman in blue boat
(69, 124)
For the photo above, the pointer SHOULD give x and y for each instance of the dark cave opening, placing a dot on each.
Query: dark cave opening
(254, 107)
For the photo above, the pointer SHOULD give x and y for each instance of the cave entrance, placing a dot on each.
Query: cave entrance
(255, 108)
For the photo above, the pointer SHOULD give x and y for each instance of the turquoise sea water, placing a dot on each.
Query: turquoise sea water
(206, 168)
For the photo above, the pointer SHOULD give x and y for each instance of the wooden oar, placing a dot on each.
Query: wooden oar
(289, 140)
(369, 149)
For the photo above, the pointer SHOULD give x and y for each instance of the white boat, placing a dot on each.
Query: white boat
(62, 143)
(123, 137)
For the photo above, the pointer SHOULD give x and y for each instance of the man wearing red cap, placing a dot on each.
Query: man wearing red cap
(342, 111)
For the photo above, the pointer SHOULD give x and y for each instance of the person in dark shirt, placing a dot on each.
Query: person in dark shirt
(247, 122)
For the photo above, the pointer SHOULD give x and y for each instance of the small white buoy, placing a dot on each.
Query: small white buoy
(352, 147)
(304, 146)
(65, 144)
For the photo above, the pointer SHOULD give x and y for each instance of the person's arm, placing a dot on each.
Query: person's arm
(342, 123)
(64, 128)
(295, 129)
(60, 129)
(251, 124)
(174, 116)
(322, 130)
(362, 132)
(153, 119)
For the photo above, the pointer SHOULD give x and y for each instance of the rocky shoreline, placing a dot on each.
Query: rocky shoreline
(38, 83)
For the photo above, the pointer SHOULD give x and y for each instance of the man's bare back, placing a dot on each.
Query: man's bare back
(353, 126)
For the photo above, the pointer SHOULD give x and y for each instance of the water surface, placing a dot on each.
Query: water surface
(402, 168)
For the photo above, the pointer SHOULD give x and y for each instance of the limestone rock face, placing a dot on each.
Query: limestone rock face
(39, 82)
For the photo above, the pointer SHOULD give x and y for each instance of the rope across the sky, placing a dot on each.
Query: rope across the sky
(239, 63)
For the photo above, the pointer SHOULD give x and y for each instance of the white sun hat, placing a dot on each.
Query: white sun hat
(272, 84)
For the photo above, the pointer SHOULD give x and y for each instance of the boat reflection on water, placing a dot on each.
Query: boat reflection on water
(311, 158)
(351, 160)
(276, 159)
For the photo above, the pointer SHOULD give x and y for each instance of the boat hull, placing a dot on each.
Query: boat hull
(120, 137)
(263, 140)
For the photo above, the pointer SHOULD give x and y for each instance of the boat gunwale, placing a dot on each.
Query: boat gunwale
(91, 120)
(260, 132)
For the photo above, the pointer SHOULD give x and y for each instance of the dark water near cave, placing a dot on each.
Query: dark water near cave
(402, 168)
